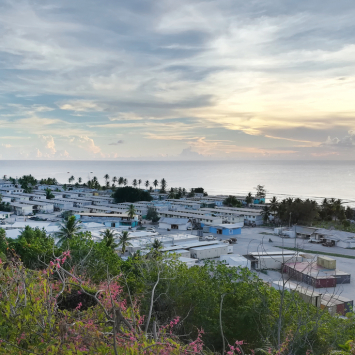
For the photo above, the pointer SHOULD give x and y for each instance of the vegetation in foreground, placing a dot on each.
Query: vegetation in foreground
(80, 297)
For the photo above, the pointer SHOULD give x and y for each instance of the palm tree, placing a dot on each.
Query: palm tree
(139, 183)
(134, 182)
(114, 179)
(120, 181)
(171, 194)
(124, 241)
(163, 185)
(68, 229)
(249, 199)
(49, 194)
(266, 213)
(155, 183)
(125, 182)
(72, 178)
(80, 180)
(109, 237)
(274, 203)
(147, 184)
(157, 245)
(131, 211)
(107, 177)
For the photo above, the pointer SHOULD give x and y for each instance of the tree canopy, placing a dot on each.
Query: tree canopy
(130, 194)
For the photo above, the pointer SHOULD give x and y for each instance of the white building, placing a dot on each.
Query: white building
(174, 223)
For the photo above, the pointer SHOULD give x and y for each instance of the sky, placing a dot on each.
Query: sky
(176, 79)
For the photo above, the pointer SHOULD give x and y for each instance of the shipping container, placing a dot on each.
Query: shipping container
(275, 262)
(326, 262)
(209, 252)
(342, 278)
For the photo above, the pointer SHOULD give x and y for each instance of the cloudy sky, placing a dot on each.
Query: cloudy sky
(167, 79)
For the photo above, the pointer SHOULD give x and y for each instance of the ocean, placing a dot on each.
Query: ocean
(305, 179)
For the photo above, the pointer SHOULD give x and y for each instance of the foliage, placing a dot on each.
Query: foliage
(124, 241)
(130, 194)
(27, 182)
(260, 192)
(68, 229)
(4, 206)
(131, 211)
(49, 181)
(34, 247)
(108, 237)
(249, 199)
(232, 201)
(152, 215)
(49, 194)
(163, 185)
(34, 321)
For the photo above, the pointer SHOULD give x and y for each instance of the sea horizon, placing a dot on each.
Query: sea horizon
(315, 179)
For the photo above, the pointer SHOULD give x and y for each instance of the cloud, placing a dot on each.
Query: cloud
(281, 73)
(120, 141)
(80, 106)
(87, 144)
(49, 144)
(188, 153)
(346, 141)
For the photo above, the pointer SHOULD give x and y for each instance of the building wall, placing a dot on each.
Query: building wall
(182, 227)
(226, 231)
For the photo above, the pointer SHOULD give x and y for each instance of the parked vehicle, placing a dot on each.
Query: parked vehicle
(150, 230)
(189, 228)
(210, 237)
(233, 241)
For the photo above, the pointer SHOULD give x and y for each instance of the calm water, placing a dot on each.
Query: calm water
(314, 179)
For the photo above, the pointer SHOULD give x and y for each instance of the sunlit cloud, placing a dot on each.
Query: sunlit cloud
(217, 79)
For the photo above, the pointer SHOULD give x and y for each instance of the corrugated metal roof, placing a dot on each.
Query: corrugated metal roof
(168, 220)
(335, 234)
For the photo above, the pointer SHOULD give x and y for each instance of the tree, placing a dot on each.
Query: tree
(108, 237)
(60, 311)
(130, 194)
(107, 178)
(114, 180)
(163, 185)
(131, 211)
(134, 182)
(68, 229)
(146, 184)
(191, 193)
(152, 215)
(249, 199)
(33, 246)
(266, 213)
(155, 183)
(80, 180)
(49, 194)
(139, 183)
(125, 182)
(260, 192)
(232, 201)
(120, 181)
(124, 241)
(349, 213)
(274, 205)
(71, 179)
(157, 244)
(27, 182)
